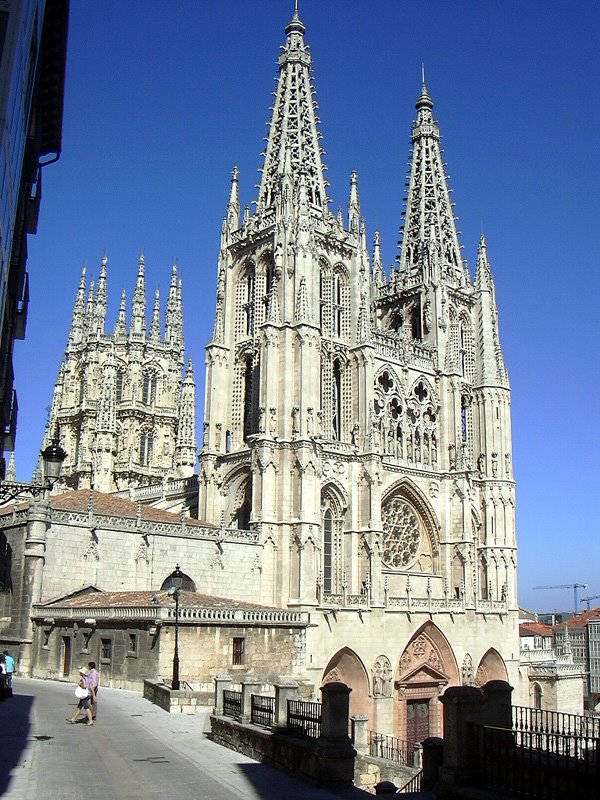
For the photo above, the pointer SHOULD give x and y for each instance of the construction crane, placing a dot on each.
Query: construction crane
(573, 586)
(587, 600)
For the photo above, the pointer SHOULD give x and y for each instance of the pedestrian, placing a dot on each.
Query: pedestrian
(94, 678)
(10, 668)
(3, 692)
(85, 695)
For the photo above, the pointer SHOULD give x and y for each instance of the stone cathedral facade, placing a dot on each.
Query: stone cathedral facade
(359, 422)
(122, 408)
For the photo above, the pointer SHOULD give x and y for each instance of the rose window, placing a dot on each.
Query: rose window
(401, 534)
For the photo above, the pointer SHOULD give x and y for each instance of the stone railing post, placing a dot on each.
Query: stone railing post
(335, 753)
(283, 693)
(432, 761)
(418, 755)
(463, 705)
(497, 710)
(361, 734)
(221, 683)
(248, 689)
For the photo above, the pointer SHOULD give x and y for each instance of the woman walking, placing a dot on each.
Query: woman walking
(85, 694)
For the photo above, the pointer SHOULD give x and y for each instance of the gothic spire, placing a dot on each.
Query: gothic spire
(138, 306)
(89, 308)
(293, 141)
(155, 322)
(491, 369)
(77, 322)
(233, 206)
(121, 323)
(100, 309)
(185, 449)
(429, 227)
(353, 204)
(378, 273)
(302, 314)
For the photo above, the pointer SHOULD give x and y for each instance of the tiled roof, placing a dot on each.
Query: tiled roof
(534, 629)
(111, 505)
(99, 599)
(580, 620)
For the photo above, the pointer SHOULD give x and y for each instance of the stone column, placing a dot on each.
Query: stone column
(497, 698)
(384, 715)
(38, 520)
(361, 734)
(283, 693)
(432, 760)
(221, 684)
(462, 706)
(335, 754)
(248, 689)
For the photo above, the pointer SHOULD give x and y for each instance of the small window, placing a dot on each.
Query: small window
(238, 650)
(132, 644)
(106, 651)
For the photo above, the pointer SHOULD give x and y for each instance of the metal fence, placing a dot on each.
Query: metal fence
(304, 718)
(414, 784)
(537, 720)
(390, 748)
(262, 710)
(232, 703)
(537, 764)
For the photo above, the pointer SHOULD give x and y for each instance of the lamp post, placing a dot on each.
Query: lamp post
(176, 583)
(52, 458)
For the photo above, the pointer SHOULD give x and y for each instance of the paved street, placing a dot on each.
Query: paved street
(134, 751)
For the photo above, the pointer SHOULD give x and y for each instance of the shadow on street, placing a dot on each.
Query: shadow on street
(15, 724)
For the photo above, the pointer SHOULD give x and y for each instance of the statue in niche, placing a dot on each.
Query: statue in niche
(481, 463)
(218, 429)
(495, 465)
(309, 421)
(355, 434)
(382, 677)
(319, 430)
(261, 419)
(390, 439)
(427, 316)
(409, 447)
(468, 677)
(452, 456)
(295, 423)
(273, 421)
(507, 464)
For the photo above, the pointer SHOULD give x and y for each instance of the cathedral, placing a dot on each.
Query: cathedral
(356, 500)
(121, 409)
(360, 422)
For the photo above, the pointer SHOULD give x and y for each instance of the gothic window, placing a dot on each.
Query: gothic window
(146, 449)
(249, 306)
(119, 381)
(251, 385)
(227, 441)
(401, 533)
(336, 400)
(466, 355)
(458, 575)
(483, 579)
(327, 552)
(336, 307)
(149, 388)
(242, 518)
(415, 324)
(537, 696)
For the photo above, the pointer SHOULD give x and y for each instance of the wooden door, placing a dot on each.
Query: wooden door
(66, 655)
(417, 722)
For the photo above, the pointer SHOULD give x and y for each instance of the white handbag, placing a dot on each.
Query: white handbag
(80, 692)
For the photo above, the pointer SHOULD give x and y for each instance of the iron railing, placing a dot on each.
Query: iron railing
(536, 764)
(232, 703)
(262, 710)
(390, 748)
(414, 784)
(537, 720)
(304, 718)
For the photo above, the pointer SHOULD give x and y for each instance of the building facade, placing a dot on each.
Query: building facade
(359, 422)
(122, 408)
(33, 45)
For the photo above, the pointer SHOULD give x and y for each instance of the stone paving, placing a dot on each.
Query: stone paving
(135, 751)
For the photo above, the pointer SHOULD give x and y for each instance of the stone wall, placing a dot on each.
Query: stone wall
(182, 701)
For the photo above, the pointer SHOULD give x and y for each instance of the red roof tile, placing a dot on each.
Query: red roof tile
(100, 599)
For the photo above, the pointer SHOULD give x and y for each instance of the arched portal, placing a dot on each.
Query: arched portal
(427, 666)
(491, 668)
(345, 666)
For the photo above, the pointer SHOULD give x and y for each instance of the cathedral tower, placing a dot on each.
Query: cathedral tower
(360, 422)
(121, 407)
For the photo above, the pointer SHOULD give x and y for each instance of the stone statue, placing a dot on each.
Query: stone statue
(261, 419)
(495, 465)
(295, 425)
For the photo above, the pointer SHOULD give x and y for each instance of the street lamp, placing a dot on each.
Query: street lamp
(175, 586)
(52, 458)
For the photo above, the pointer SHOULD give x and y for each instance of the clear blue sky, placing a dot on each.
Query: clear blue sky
(163, 99)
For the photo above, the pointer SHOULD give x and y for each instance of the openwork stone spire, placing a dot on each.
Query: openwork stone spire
(293, 142)
(430, 239)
